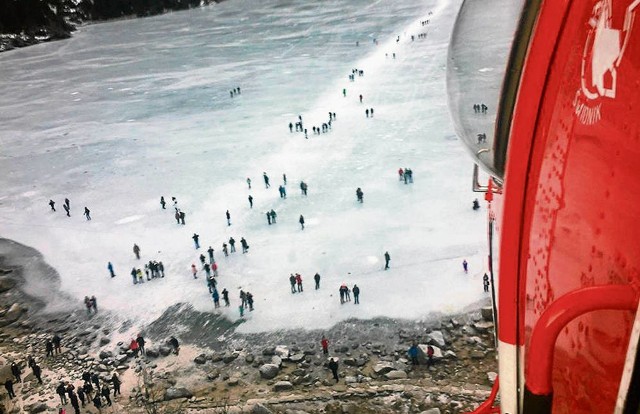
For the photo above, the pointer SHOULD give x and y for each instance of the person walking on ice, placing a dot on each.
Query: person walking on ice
(485, 283)
(162, 202)
(52, 204)
(249, 182)
(292, 280)
(196, 239)
(266, 180)
(66, 208)
(359, 194)
(301, 220)
(269, 217)
(387, 259)
(228, 218)
(136, 251)
(232, 243)
(250, 201)
(299, 282)
(316, 277)
(194, 271)
(356, 295)
(465, 266)
(245, 245)
(110, 267)
(210, 251)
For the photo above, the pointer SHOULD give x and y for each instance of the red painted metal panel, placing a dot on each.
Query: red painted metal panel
(578, 223)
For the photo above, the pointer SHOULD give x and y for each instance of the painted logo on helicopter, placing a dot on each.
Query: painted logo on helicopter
(601, 57)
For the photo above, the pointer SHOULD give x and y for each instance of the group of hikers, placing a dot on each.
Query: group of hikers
(93, 390)
(152, 270)
(67, 208)
(405, 175)
(317, 130)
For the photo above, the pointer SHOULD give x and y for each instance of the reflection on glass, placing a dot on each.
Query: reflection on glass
(476, 64)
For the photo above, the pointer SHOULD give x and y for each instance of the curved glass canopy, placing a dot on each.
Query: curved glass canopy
(479, 53)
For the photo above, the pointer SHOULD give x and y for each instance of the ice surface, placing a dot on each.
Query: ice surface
(127, 111)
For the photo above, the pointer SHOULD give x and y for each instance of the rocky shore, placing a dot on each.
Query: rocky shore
(221, 371)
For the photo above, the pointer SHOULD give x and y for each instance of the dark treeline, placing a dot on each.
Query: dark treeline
(26, 22)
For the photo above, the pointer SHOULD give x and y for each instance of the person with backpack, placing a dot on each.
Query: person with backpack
(333, 366)
(356, 295)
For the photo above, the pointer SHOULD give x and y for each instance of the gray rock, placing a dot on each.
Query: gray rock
(200, 359)
(483, 326)
(282, 386)
(468, 330)
(229, 357)
(14, 312)
(164, 350)
(382, 368)
(487, 313)
(6, 283)
(276, 360)
(296, 358)
(434, 410)
(104, 341)
(260, 409)
(395, 374)
(38, 408)
(269, 351)
(152, 353)
(282, 351)
(249, 358)
(350, 362)
(175, 393)
(269, 371)
(105, 354)
(233, 381)
(436, 338)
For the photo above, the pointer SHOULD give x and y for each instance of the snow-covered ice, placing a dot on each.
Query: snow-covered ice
(127, 111)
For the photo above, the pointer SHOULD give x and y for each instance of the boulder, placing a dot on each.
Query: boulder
(296, 358)
(269, 371)
(152, 353)
(276, 360)
(260, 409)
(434, 410)
(200, 359)
(382, 368)
(175, 393)
(6, 283)
(105, 354)
(487, 313)
(483, 326)
(104, 341)
(14, 312)
(282, 351)
(282, 386)
(436, 338)
(229, 357)
(38, 408)
(468, 330)
(164, 350)
(395, 374)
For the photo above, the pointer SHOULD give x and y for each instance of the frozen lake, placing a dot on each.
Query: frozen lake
(127, 111)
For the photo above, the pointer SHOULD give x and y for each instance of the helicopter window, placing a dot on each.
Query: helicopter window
(488, 37)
